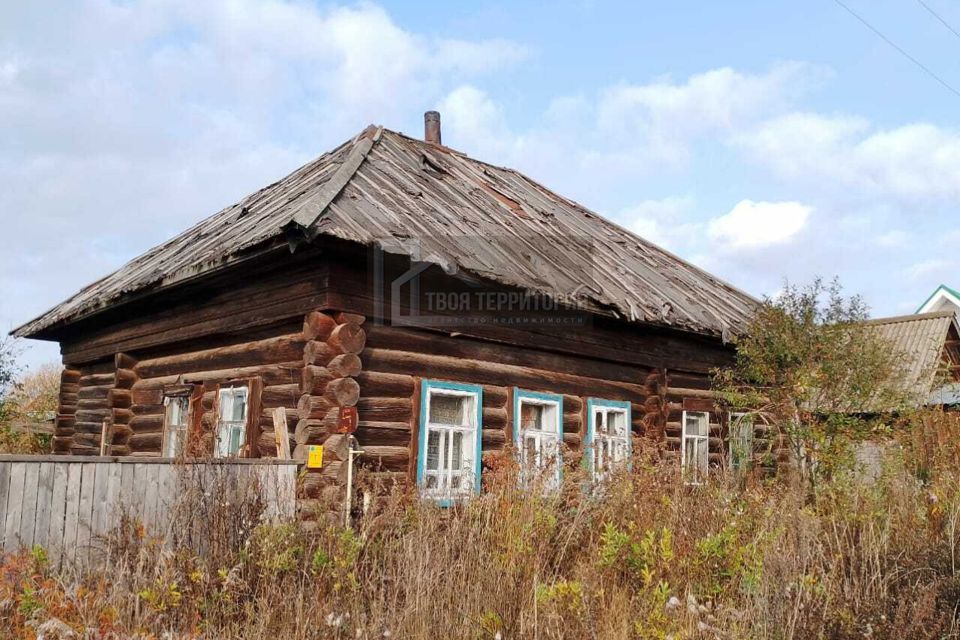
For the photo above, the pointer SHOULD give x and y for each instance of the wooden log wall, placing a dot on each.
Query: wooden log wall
(275, 361)
(91, 395)
(395, 360)
(65, 424)
(691, 392)
(331, 364)
(338, 360)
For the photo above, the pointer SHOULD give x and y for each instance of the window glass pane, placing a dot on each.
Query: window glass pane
(447, 409)
(690, 461)
(548, 448)
(175, 425)
(226, 403)
(741, 441)
(239, 413)
(176, 410)
(433, 450)
(457, 454)
(532, 416)
(598, 423)
(617, 423)
(696, 424)
(703, 456)
(551, 419)
(530, 450)
(232, 441)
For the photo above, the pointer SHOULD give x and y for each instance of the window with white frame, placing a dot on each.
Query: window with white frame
(695, 446)
(231, 421)
(608, 435)
(175, 422)
(449, 453)
(538, 429)
(741, 441)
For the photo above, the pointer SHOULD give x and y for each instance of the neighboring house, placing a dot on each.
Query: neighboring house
(942, 299)
(459, 306)
(929, 344)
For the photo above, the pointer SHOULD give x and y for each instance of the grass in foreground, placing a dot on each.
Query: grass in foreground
(651, 558)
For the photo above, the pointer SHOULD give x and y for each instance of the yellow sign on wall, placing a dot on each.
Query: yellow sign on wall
(315, 456)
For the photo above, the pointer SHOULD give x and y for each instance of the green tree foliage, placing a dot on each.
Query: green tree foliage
(810, 368)
(9, 370)
(24, 399)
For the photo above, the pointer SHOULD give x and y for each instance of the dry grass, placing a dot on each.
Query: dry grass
(650, 558)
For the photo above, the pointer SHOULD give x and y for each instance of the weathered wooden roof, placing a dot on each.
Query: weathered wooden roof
(921, 341)
(440, 206)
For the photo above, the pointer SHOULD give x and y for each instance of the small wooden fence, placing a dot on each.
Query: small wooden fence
(67, 503)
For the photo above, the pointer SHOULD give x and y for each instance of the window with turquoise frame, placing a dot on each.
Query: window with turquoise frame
(538, 432)
(448, 460)
(608, 436)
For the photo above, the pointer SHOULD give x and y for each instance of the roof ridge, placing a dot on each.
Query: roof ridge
(301, 227)
(911, 317)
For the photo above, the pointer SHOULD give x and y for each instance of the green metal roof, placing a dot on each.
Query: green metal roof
(942, 287)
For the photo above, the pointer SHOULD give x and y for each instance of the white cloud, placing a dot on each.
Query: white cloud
(663, 222)
(928, 269)
(916, 162)
(753, 225)
(893, 239)
(719, 99)
(124, 123)
(599, 142)
(472, 114)
(950, 238)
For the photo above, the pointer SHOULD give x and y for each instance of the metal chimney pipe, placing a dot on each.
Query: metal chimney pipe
(431, 127)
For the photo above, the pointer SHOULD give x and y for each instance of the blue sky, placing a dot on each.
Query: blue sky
(760, 140)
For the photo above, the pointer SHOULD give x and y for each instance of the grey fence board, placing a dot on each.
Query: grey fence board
(67, 503)
(85, 510)
(44, 499)
(11, 537)
(28, 517)
(4, 492)
(58, 510)
(71, 520)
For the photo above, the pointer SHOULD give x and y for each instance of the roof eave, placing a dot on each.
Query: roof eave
(39, 329)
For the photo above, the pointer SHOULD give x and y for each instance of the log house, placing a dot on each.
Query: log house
(528, 323)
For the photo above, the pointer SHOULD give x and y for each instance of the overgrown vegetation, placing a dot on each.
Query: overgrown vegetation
(813, 372)
(652, 559)
(827, 553)
(8, 374)
(25, 399)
